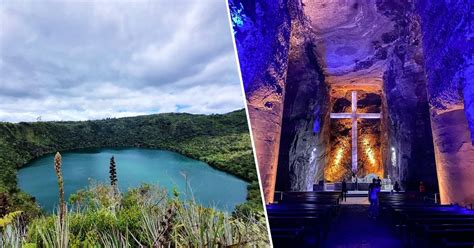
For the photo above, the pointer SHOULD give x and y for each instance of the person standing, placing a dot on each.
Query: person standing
(374, 190)
(379, 182)
(344, 190)
(422, 188)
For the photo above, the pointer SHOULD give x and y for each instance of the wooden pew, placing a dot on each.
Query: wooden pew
(424, 224)
(308, 213)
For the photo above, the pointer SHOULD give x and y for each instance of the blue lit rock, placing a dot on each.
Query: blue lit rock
(303, 146)
(407, 108)
(448, 50)
(262, 43)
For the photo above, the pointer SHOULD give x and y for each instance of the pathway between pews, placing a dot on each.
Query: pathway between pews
(353, 229)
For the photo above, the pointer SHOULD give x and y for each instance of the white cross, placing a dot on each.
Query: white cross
(354, 115)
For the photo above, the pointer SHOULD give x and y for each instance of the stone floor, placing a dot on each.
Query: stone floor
(353, 229)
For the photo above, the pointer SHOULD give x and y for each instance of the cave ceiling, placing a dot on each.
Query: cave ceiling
(352, 38)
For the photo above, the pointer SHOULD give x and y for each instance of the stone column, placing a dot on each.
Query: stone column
(454, 155)
(265, 117)
(261, 30)
(449, 65)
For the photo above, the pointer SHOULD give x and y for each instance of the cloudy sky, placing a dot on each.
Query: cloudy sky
(95, 59)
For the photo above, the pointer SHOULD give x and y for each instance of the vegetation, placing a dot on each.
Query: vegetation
(141, 217)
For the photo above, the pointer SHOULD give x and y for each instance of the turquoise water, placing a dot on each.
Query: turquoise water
(135, 166)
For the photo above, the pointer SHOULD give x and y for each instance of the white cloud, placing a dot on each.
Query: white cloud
(82, 60)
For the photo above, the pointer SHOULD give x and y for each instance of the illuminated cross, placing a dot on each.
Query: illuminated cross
(353, 116)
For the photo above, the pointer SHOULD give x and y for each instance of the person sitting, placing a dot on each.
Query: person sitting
(396, 187)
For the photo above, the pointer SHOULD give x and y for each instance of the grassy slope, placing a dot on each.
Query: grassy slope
(223, 141)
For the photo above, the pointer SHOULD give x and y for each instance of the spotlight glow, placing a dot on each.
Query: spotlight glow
(369, 151)
(394, 157)
(337, 159)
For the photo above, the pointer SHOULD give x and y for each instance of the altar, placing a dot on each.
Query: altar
(356, 184)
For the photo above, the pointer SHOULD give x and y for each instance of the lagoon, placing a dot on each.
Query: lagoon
(210, 187)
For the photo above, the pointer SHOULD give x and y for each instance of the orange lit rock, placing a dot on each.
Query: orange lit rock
(266, 128)
(454, 157)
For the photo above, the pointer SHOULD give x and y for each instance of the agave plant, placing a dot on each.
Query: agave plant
(198, 226)
(157, 226)
(115, 239)
(58, 236)
(12, 232)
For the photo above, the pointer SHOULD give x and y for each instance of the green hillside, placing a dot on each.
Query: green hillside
(222, 141)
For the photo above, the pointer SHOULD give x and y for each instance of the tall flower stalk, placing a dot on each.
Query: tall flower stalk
(113, 176)
(62, 237)
(59, 175)
(113, 172)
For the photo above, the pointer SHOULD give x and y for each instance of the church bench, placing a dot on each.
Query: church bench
(455, 243)
(284, 205)
(285, 196)
(328, 209)
(398, 212)
(402, 203)
(314, 228)
(298, 211)
(294, 221)
(401, 216)
(412, 227)
(309, 192)
(393, 211)
(423, 230)
(332, 199)
(323, 214)
(424, 224)
(444, 220)
(311, 211)
(313, 201)
(440, 219)
(279, 195)
(287, 237)
(418, 207)
(311, 195)
(447, 226)
(433, 214)
(432, 238)
(285, 240)
(322, 197)
(409, 221)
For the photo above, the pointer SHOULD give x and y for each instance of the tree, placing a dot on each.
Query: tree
(4, 204)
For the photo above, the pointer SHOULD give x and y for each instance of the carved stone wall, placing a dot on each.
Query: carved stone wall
(448, 49)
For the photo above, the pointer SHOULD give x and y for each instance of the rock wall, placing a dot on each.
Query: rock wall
(261, 30)
(410, 157)
(303, 146)
(448, 50)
